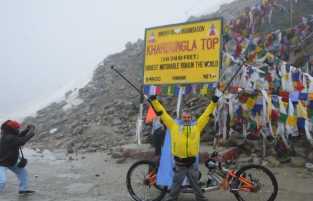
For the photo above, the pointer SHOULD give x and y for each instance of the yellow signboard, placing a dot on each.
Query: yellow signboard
(183, 53)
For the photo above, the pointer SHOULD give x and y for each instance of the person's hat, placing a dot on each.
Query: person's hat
(11, 124)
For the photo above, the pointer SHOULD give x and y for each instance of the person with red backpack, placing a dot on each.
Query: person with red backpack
(11, 155)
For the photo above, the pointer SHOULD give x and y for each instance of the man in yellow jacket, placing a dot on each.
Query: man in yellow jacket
(185, 143)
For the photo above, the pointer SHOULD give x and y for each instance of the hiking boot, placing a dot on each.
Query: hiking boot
(28, 192)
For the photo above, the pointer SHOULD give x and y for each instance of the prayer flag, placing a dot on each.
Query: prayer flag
(310, 105)
(170, 90)
(298, 85)
(284, 95)
(301, 123)
(204, 90)
(283, 117)
(302, 111)
(274, 115)
(294, 96)
(295, 76)
(250, 103)
(292, 121)
(303, 96)
(150, 115)
(310, 96)
(176, 90)
(146, 89)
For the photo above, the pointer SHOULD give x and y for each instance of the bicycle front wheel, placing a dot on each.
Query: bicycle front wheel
(254, 182)
(141, 182)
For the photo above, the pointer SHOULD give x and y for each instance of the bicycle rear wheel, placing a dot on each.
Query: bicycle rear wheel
(264, 184)
(141, 182)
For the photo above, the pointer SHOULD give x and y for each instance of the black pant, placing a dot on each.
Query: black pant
(192, 174)
(158, 140)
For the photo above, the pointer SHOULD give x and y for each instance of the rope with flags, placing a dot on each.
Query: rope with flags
(268, 91)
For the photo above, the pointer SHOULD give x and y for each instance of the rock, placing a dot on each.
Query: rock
(244, 160)
(59, 155)
(116, 155)
(310, 157)
(300, 151)
(121, 160)
(122, 87)
(272, 161)
(79, 188)
(92, 149)
(110, 111)
(264, 163)
(69, 148)
(134, 151)
(257, 160)
(297, 162)
(230, 154)
(116, 121)
(235, 141)
(309, 166)
(48, 155)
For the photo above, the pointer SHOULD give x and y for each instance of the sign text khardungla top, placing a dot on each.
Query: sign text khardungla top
(183, 53)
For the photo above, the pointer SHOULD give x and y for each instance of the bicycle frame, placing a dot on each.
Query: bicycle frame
(222, 182)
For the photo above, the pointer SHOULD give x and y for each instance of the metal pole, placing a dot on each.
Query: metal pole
(139, 124)
(231, 79)
(140, 115)
(291, 12)
(140, 120)
(129, 82)
(179, 101)
(263, 147)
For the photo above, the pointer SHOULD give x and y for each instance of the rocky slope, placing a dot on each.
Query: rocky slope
(103, 113)
(99, 115)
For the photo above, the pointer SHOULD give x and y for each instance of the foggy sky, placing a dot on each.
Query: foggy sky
(50, 46)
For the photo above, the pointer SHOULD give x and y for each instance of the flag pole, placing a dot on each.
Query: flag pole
(139, 122)
(179, 100)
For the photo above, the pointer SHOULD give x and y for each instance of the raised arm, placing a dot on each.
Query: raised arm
(165, 117)
(24, 132)
(21, 140)
(205, 117)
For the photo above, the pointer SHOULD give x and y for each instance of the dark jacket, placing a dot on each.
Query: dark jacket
(10, 142)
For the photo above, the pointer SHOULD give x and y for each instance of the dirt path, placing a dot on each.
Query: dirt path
(96, 177)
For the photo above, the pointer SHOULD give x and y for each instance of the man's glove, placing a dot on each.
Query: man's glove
(153, 97)
(30, 126)
(215, 99)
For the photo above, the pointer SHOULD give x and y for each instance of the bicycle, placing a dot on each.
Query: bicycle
(244, 184)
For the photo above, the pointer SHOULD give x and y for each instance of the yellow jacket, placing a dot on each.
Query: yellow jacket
(185, 140)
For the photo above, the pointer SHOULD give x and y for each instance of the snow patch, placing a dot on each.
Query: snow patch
(45, 155)
(72, 99)
(54, 130)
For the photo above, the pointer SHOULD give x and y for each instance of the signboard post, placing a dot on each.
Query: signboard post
(179, 101)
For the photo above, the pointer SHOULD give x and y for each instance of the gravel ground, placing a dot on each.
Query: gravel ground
(96, 177)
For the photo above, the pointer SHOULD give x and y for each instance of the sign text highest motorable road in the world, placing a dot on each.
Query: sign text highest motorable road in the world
(183, 53)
